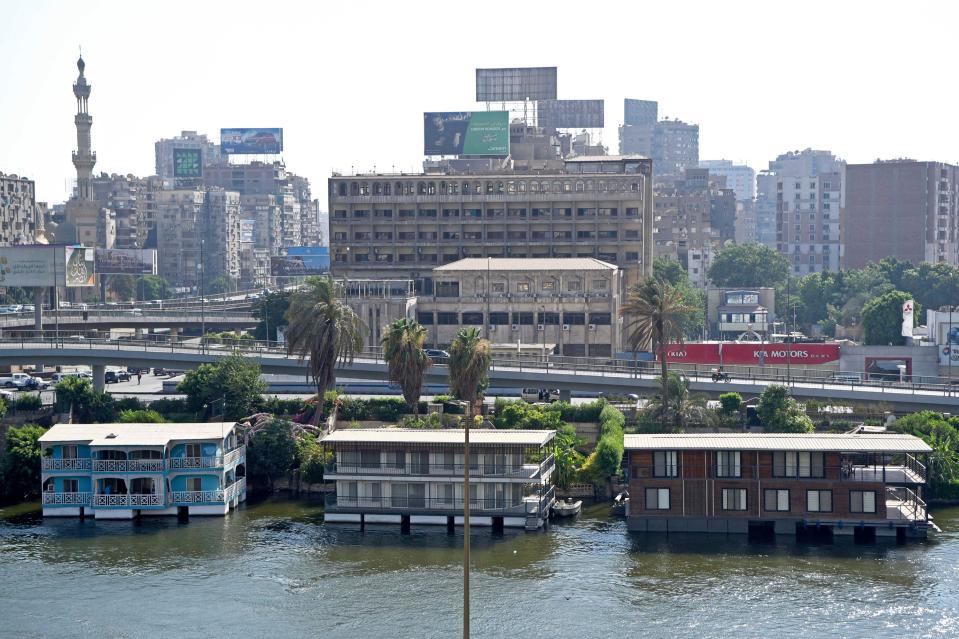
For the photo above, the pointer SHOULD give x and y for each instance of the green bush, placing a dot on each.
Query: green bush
(169, 406)
(143, 416)
(433, 420)
(442, 399)
(27, 402)
(730, 403)
(521, 415)
(20, 466)
(280, 407)
(583, 413)
(128, 403)
(388, 409)
(607, 457)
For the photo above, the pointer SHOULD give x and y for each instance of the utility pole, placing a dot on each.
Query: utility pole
(466, 523)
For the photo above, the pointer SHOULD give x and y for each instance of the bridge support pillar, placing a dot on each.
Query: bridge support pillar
(173, 334)
(99, 377)
(38, 297)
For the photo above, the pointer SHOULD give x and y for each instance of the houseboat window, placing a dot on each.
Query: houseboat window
(69, 451)
(376, 493)
(370, 458)
(194, 484)
(734, 498)
(417, 495)
(862, 501)
(351, 490)
(657, 499)
(819, 501)
(664, 463)
(398, 495)
(350, 458)
(71, 485)
(474, 499)
(193, 450)
(727, 464)
(446, 494)
(798, 464)
(776, 500)
(420, 463)
(399, 459)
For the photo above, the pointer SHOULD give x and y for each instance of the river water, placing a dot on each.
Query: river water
(274, 569)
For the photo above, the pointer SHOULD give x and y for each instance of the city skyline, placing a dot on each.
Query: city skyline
(185, 76)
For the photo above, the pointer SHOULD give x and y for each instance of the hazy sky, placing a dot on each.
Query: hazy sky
(349, 81)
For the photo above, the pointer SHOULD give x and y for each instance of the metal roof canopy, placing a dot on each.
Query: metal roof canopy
(445, 436)
(862, 443)
(527, 264)
(135, 434)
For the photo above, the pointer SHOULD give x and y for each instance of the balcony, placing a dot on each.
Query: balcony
(532, 471)
(527, 506)
(127, 501)
(66, 499)
(185, 497)
(49, 463)
(128, 465)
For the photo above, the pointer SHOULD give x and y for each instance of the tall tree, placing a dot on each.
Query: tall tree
(470, 359)
(152, 287)
(271, 311)
(406, 360)
(20, 466)
(231, 387)
(748, 265)
(882, 319)
(322, 329)
(653, 314)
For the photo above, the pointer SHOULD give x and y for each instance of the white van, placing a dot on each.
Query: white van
(846, 378)
(534, 395)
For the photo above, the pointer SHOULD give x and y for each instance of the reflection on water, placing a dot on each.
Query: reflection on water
(274, 569)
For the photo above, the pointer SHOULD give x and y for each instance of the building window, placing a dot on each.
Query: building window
(798, 464)
(574, 285)
(862, 501)
(776, 500)
(819, 501)
(734, 499)
(447, 319)
(727, 463)
(498, 287)
(498, 318)
(600, 319)
(657, 499)
(447, 289)
(574, 319)
(549, 319)
(474, 319)
(426, 319)
(664, 463)
(522, 287)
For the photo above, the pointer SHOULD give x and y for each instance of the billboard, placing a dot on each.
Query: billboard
(187, 163)
(27, 265)
(466, 133)
(752, 354)
(126, 261)
(570, 114)
(80, 266)
(246, 230)
(298, 261)
(251, 141)
(516, 84)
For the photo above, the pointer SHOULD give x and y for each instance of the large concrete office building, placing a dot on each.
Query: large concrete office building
(198, 233)
(20, 218)
(801, 193)
(402, 226)
(903, 209)
(210, 151)
(673, 145)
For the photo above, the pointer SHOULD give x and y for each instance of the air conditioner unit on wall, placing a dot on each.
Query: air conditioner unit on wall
(492, 327)
(592, 327)
(515, 327)
(540, 327)
(565, 327)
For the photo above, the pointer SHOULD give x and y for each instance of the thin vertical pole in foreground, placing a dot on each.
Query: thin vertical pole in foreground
(466, 524)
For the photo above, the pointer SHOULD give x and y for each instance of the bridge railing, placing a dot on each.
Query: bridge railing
(698, 374)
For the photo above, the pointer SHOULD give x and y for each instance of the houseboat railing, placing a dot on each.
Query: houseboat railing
(196, 496)
(194, 463)
(545, 502)
(234, 456)
(527, 505)
(236, 488)
(846, 472)
(66, 499)
(524, 471)
(915, 465)
(911, 505)
(128, 500)
(49, 463)
(128, 465)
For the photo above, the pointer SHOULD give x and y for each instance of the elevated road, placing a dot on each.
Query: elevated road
(575, 374)
(71, 321)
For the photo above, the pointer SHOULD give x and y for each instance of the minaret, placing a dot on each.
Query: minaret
(83, 158)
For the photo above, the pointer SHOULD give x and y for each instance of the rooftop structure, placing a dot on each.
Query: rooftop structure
(121, 471)
(411, 477)
(867, 484)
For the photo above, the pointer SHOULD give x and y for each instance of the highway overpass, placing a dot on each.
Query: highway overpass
(574, 374)
(73, 321)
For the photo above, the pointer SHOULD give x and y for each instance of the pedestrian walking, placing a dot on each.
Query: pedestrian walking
(139, 377)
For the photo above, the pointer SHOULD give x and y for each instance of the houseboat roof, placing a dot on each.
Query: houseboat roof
(846, 443)
(135, 434)
(444, 436)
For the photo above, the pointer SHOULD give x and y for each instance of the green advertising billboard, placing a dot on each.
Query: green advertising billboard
(187, 163)
(475, 133)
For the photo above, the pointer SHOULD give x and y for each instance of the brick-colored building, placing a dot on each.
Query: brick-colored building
(869, 483)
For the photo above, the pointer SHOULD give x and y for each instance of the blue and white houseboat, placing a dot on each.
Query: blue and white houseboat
(121, 471)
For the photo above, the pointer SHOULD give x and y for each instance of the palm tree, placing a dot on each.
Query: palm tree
(470, 359)
(406, 360)
(322, 329)
(676, 405)
(654, 313)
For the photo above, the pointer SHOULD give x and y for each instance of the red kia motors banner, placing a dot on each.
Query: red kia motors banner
(750, 354)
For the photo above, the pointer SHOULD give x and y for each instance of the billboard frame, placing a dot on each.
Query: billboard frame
(515, 84)
(237, 141)
(571, 114)
(466, 133)
(184, 152)
(140, 261)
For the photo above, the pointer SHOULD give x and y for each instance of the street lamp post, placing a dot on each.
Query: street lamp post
(466, 525)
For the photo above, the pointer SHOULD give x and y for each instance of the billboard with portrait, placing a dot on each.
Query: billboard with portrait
(251, 141)
(126, 261)
(516, 84)
(187, 163)
(246, 230)
(299, 261)
(466, 133)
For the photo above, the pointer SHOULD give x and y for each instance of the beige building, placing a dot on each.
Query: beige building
(20, 218)
(403, 226)
(571, 304)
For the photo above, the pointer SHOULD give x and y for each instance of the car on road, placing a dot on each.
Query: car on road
(436, 354)
(169, 372)
(59, 377)
(113, 377)
(535, 395)
(136, 370)
(614, 396)
(19, 381)
(846, 378)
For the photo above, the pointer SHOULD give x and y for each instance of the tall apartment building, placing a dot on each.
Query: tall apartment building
(799, 196)
(640, 112)
(132, 201)
(901, 208)
(198, 233)
(210, 151)
(739, 177)
(402, 226)
(693, 215)
(280, 202)
(21, 220)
